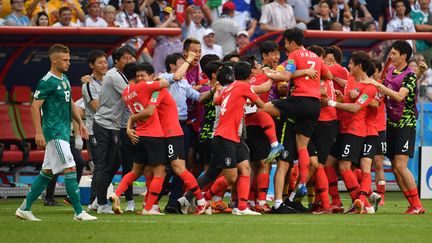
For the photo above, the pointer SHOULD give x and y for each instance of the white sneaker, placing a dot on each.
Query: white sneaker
(184, 204)
(151, 212)
(130, 206)
(369, 210)
(84, 216)
(105, 209)
(375, 199)
(93, 206)
(26, 215)
(192, 207)
(246, 211)
(115, 203)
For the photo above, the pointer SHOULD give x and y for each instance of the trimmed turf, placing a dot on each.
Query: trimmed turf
(388, 225)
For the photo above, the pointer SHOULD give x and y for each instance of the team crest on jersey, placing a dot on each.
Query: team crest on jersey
(154, 97)
(285, 154)
(363, 98)
(64, 85)
(228, 161)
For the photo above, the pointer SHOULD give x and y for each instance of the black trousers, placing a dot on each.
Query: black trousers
(105, 159)
(126, 158)
(79, 164)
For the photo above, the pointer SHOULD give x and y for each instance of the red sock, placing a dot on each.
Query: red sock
(155, 189)
(333, 184)
(262, 187)
(253, 189)
(358, 174)
(243, 185)
(415, 200)
(220, 185)
(365, 185)
(149, 180)
(207, 187)
(293, 178)
(350, 182)
(125, 182)
(313, 181)
(407, 196)
(380, 189)
(191, 184)
(269, 127)
(322, 187)
(304, 161)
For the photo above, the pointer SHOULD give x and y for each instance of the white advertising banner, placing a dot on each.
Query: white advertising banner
(425, 178)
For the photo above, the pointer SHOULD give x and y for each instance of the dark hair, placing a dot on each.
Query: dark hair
(295, 34)
(378, 64)
(226, 74)
(119, 52)
(146, 67)
(58, 48)
(95, 54)
(40, 14)
(249, 59)
(242, 70)
(403, 47)
(228, 56)
(211, 67)
(336, 51)
(172, 59)
(405, 3)
(188, 42)
(316, 49)
(268, 46)
(362, 58)
(206, 59)
(130, 70)
(371, 70)
(64, 9)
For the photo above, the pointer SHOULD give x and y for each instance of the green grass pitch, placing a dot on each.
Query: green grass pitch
(388, 225)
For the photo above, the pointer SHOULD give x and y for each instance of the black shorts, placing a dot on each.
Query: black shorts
(347, 147)
(257, 142)
(175, 148)
(400, 141)
(286, 136)
(193, 137)
(370, 146)
(323, 138)
(227, 153)
(381, 143)
(150, 151)
(204, 152)
(305, 110)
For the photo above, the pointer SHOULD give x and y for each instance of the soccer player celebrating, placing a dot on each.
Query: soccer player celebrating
(149, 143)
(304, 103)
(230, 151)
(400, 87)
(53, 96)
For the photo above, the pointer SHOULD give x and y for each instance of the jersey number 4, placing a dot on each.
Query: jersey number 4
(224, 104)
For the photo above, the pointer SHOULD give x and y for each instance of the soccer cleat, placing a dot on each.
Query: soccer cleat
(51, 202)
(105, 209)
(314, 206)
(67, 201)
(26, 215)
(337, 207)
(369, 210)
(262, 209)
(184, 205)
(283, 209)
(246, 211)
(297, 205)
(115, 204)
(415, 210)
(84, 216)
(274, 152)
(220, 207)
(130, 206)
(322, 210)
(151, 212)
(375, 199)
(93, 206)
(300, 193)
(359, 207)
(173, 209)
(200, 209)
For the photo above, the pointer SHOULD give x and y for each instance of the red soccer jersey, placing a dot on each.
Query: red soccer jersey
(372, 117)
(168, 115)
(136, 97)
(355, 123)
(328, 113)
(381, 116)
(258, 80)
(339, 72)
(232, 101)
(304, 59)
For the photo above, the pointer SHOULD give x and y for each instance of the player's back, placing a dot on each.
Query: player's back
(168, 114)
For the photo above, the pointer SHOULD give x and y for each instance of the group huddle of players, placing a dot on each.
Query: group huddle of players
(312, 116)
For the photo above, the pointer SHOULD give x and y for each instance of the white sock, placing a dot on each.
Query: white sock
(155, 207)
(381, 182)
(252, 203)
(291, 197)
(274, 145)
(277, 203)
(262, 202)
(216, 199)
(201, 201)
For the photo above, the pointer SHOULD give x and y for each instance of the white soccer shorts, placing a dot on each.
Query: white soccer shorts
(58, 156)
